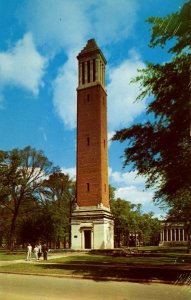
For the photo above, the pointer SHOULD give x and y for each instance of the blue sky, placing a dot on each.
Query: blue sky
(39, 42)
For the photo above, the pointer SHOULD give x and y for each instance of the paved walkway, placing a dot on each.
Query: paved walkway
(20, 261)
(21, 287)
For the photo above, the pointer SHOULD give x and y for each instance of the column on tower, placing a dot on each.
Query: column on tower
(80, 74)
(104, 83)
(97, 70)
(83, 73)
(86, 72)
(101, 73)
(91, 71)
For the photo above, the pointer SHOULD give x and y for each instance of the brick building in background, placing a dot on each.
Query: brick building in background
(92, 222)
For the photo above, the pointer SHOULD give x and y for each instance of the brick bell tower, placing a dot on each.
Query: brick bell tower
(92, 222)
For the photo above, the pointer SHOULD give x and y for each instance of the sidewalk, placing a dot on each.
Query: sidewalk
(20, 261)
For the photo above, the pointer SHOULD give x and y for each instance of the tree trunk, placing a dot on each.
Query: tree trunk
(13, 223)
(12, 231)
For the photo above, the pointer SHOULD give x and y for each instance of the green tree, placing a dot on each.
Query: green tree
(22, 173)
(121, 212)
(160, 148)
(126, 222)
(60, 193)
(149, 229)
(131, 226)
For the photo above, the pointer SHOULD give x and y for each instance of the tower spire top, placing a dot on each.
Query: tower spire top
(91, 48)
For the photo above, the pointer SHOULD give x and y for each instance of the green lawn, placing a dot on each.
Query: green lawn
(131, 267)
(166, 259)
(6, 255)
(142, 255)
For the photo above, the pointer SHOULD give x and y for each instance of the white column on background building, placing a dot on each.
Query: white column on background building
(171, 234)
(161, 237)
(175, 234)
(178, 234)
(82, 239)
(183, 234)
(167, 234)
(92, 240)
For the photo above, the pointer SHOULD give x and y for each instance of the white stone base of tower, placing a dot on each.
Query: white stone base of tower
(92, 228)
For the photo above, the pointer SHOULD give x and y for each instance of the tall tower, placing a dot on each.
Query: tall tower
(92, 222)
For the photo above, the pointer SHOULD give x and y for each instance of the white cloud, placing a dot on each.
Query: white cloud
(22, 65)
(66, 24)
(56, 24)
(64, 92)
(70, 171)
(160, 216)
(122, 94)
(128, 178)
(131, 186)
(118, 18)
(109, 136)
(132, 194)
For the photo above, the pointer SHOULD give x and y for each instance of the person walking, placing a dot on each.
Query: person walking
(29, 251)
(39, 251)
(45, 251)
(35, 252)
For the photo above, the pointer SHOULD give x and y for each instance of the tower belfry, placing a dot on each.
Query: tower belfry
(92, 222)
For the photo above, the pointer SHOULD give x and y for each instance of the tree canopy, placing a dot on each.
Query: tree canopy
(131, 226)
(160, 148)
(21, 175)
(36, 199)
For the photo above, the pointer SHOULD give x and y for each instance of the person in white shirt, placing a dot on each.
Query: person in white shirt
(29, 251)
(39, 251)
(36, 252)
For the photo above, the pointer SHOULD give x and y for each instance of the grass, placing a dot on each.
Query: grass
(134, 268)
(129, 260)
(7, 255)
(144, 267)
(150, 255)
(179, 249)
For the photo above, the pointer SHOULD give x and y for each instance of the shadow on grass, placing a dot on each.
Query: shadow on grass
(116, 272)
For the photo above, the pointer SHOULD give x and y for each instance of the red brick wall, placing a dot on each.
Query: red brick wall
(92, 150)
